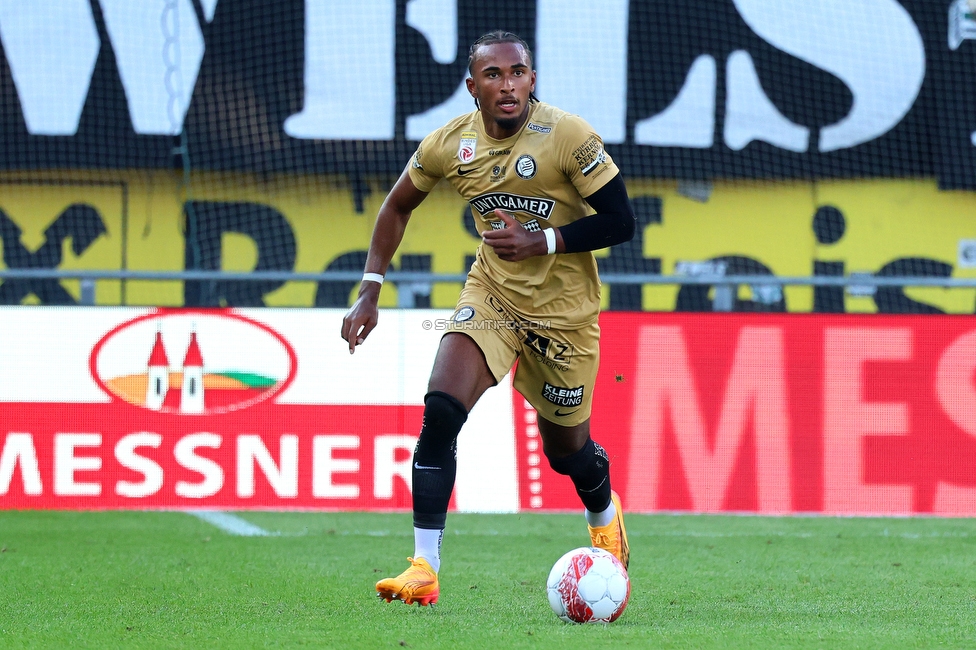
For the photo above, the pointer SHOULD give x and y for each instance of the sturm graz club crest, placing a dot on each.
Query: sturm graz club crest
(525, 166)
(463, 314)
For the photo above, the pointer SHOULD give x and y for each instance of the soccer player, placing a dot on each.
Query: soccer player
(547, 194)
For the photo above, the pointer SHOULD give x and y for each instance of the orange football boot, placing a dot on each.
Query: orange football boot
(418, 584)
(613, 536)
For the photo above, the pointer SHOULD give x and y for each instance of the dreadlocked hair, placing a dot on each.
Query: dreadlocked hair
(493, 38)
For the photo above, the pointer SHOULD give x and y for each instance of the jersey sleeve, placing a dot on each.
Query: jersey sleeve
(582, 155)
(425, 167)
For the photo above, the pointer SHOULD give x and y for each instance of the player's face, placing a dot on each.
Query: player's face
(501, 80)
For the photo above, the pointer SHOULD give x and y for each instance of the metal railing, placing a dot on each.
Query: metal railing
(436, 278)
(725, 286)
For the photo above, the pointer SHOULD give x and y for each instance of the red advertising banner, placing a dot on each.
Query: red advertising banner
(216, 409)
(778, 414)
(237, 409)
(269, 456)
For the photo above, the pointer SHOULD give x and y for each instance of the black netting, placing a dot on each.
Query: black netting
(758, 138)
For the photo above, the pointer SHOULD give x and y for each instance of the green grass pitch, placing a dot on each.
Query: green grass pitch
(170, 580)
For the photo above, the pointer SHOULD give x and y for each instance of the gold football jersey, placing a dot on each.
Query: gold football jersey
(540, 175)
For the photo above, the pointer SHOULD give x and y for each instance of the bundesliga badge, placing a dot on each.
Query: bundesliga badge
(466, 150)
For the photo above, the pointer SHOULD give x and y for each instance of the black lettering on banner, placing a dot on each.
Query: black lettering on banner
(892, 300)
(206, 223)
(236, 119)
(695, 297)
(829, 226)
(563, 396)
(336, 293)
(628, 257)
(413, 52)
(80, 222)
(828, 300)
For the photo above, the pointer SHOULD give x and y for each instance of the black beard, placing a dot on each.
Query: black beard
(507, 123)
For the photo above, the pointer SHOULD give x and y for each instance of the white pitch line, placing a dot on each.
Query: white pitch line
(230, 523)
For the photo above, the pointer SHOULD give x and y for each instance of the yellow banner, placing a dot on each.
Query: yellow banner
(137, 220)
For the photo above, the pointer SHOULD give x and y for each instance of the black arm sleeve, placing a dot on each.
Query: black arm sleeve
(613, 223)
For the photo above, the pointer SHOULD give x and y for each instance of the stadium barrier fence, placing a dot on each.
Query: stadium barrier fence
(726, 287)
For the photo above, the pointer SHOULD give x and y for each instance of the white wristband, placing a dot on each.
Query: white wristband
(373, 277)
(550, 240)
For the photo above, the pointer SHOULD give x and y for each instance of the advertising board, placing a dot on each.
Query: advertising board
(125, 408)
(266, 409)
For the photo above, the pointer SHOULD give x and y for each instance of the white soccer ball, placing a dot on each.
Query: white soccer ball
(588, 585)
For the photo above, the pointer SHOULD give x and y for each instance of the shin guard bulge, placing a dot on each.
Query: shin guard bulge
(435, 459)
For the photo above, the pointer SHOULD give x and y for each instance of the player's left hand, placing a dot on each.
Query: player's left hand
(514, 243)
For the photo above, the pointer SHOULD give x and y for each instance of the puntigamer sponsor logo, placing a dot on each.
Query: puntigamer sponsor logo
(538, 128)
(563, 396)
(534, 206)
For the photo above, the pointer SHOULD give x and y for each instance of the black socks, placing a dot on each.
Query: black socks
(589, 469)
(435, 459)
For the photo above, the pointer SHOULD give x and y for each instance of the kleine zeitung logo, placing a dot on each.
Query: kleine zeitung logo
(192, 362)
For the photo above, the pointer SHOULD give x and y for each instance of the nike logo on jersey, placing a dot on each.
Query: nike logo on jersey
(465, 172)
(417, 465)
(562, 415)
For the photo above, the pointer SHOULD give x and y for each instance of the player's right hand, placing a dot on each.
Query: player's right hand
(362, 317)
(514, 243)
